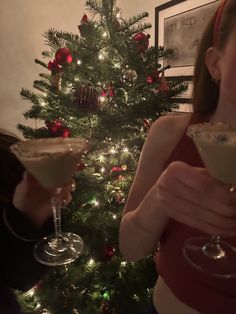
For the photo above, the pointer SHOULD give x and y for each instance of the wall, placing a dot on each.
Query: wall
(22, 22)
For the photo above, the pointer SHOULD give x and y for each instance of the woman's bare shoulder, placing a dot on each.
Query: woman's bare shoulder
(172, 122)
(168, 129)
(162, 138)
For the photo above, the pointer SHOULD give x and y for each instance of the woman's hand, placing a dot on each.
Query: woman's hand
(193, 197)
(34, 200)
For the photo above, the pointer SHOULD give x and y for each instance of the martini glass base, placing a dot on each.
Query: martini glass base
(61, 250)
(218, 260)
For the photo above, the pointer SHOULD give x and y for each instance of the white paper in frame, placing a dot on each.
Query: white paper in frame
(180, 25)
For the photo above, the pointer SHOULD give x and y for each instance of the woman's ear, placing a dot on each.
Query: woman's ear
(212, 58)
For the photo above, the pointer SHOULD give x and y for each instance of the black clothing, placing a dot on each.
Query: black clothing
(18, 268)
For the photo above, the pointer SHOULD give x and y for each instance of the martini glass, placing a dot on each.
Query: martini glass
(53, 161)
(216, 143)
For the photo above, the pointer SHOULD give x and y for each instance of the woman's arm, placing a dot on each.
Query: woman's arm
(145, 217)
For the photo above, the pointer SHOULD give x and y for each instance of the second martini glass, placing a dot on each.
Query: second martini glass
(52, 162)
(216, 143)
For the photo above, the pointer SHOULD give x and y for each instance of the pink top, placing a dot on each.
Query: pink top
(204, 293)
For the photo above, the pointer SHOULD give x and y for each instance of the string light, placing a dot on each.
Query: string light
(101, 56)
(38, 306)
(112, 150)
(117, 65)
(96, 204)
(91, 262)
(101, 158)
(102, 170)
(30, 293)
(102, 99)
(123, 264)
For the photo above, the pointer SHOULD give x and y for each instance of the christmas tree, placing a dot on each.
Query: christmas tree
(106, 84)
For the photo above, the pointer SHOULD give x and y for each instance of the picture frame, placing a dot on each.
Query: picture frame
(179, 25)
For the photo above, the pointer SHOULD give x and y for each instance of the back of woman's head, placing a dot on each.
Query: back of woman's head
(205, 88)
(10, 168)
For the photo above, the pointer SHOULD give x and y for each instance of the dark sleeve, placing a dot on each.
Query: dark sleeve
(19, 270)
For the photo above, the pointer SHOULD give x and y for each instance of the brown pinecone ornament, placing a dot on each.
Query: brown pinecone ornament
(86, 97)
(55, 81)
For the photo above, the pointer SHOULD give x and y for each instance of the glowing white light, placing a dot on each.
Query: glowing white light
(117, 65)
(79, 62)
(114, 216)
(101, 56)
(30, 293)
(101, 158)
(125, 150)
(104, 35)
(38, 305)
(112, 150)
(96, 203)
(102, 170)
(91, 262)
(123, 264)
(102, 98)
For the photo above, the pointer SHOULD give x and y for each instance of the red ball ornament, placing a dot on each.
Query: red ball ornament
(84, 19)
(150, 79)
(105, 308)
(108, 252)
(142, 41)
(116, 169)
(153, 77)
(63, 56)
(57, 129)
(81, 166)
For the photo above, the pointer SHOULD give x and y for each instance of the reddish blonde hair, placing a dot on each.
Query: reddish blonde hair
(205, 90)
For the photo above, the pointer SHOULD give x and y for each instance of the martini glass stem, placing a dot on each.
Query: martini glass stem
(58, 243)
(56, 210)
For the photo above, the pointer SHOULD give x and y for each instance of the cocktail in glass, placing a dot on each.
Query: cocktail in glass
(53, 161)
(216, 144)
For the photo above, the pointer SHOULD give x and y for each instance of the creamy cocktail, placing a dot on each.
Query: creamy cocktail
(53, 161)
(216, 144)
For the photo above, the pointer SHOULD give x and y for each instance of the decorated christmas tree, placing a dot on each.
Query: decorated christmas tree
(106, 84)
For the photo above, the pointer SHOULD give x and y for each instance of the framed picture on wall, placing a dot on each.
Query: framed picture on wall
(179, 25)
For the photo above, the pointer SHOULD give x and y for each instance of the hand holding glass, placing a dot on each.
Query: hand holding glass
(216, 143)
(53, 161)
